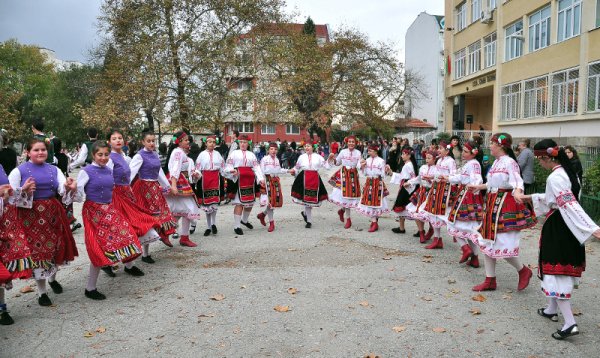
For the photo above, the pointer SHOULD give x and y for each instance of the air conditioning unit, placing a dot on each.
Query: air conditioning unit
(486, 17)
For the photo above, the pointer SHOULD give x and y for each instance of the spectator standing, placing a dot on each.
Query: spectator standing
(575, 162)
(38, 133)
(8, 156)
(525, 160)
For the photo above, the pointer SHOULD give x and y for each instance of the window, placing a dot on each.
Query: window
(268, 129)
(514, 41)
(539, 29)
(460, 65)
(597, 13)
(565, 92)
(474, 57)
(593, 98)
(475, 10)
(489, 50)
(569, 19)
(461, 16)
(243, 127)
(491, 4)
(292, 129)
(511, 101)
(535, 97)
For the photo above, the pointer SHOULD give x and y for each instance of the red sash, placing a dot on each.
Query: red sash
(349, 183)
(211, 193)
(274, 192)
(311, 187)
(246, 189)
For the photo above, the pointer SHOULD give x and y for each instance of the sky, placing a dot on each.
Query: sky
(69, 26)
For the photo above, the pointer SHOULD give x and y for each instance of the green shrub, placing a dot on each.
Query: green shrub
(591, 179)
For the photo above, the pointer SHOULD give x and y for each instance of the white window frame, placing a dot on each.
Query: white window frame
(535, 97)
(565, 92)
(569, 19)
(513, 41)
(290, 128)
(593, 87)
(243, 127)
(491, 4)
(539, 29)
(475, 10)
(460, 63)
(461, 16)
(510, 100)
(267, 128)
(489, 50)
(474, 57)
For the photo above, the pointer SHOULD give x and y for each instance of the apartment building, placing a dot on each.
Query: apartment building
(527, 67)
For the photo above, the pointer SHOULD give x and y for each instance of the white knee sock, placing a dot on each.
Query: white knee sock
(245, 216)
(565, 309)
(552, 306)
(92, 278)
(208, 220)
(473, 247)
(41, 286)
(213, 218)
(308, 213)
(270, 214)
(236, 221)
(184, 229)
(490, 266)
(437, 232)
(53, 277)
(145, 250)
(461, 241)
(347, 213)
(150, 234)
(515, 262)
(129, 264)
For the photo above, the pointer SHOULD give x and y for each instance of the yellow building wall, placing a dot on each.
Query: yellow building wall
(515, 9)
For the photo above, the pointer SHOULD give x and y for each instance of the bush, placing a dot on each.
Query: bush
(591, 179)
(541, 175)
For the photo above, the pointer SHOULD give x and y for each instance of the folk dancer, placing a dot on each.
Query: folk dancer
(271, 196)
(373, 202)
(346, 187)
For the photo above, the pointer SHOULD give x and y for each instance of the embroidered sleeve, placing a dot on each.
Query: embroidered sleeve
(578, 221)
(257, 171)
(175, 163)
(514, 176)
(82, 180)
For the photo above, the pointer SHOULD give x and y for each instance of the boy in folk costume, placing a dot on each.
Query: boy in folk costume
(243, 186)
(373, 203)
(567, 228)
(346, 191)
(406, 189)
(465, 216)
(210, 188)
(419, 197)
(271, 195)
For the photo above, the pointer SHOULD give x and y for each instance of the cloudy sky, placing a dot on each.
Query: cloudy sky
(68, 26)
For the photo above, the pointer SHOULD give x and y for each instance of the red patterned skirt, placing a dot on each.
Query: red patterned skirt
(374, 192)
(467, 207)
(140, 218)
(441, 196)
(108, 236)
(48, 233)
(308, 188)
(272, 189)
(14, 250)
(504, 214)
(183, 185)
(210, 189)
(246, 188)
(347, 181)
(148, 194)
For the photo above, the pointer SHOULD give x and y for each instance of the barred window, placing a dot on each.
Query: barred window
(474, 57)
(593, 98)
(539, 29)
(535, 96)
(461, 16)
(565, 92)
(489, 50)
(511, 101)
(460, 65)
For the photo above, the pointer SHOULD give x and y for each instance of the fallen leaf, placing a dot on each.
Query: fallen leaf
(475, 311)
(479, 298)
(243, 287)
(439, 330)
(210, 315)
(88, 334)
(427, 298)
(218, 297)
(371, 355)
(455, 291)
(100, 329)
(451, 281)
(120, 311)
(387, 258)
(26, 289)
(280, 308)
(427, 259)
(480, 331)
(364, 303)
(236, 330)
(292, 291)
(399, 329)
(507, 297)
(577, 312)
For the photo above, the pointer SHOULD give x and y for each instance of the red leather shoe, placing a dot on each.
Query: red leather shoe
(524, 277)
(261, 218)
(166, 241)
(422, 238)
(436, 244)
(341, 214)
(467, 252)
(474, 261)
(348, 224)
(429, 233)
(185, 241)
(374, 227)
(271, 226)
(488, 285)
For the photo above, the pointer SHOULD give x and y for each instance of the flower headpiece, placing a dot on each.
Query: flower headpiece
(177, 139)
(548, 152)
(471, 149)
(350, 137)
(502, 140)
(374, 147)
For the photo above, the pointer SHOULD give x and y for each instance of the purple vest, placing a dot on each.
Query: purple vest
(3, 176)
(45, 176)
(99, 188)
(121, 171)
(151, 165)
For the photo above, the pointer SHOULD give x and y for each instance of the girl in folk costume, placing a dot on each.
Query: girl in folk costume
(15, 255)
(406, 189)
(466, 213)
(44, 218)
(271, 195)
(210, 188)
(244, 171)
(504, 217)
(142, 221)
(109, 238)
(373, 203)
(182, 201)
(419, 198)
(567, 227)
(440, 194)
(308, 188)
(346, 191)
(145, 165)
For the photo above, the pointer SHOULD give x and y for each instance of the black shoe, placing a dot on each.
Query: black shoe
(417, 235)
(44, 300)
(571, 331)
(214, 229)
(551, 316)
(109, 271)
(238, 231)
(207, 232)
(398, 231)
(304, 216)
(75, 227)
(248, 225)
(134, 271)
(192, 229)
(94, 295)
(148, 259)
(56, 287)
(308, 225)
(175, 236)
(6, 319)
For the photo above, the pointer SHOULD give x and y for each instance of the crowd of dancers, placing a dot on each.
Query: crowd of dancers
(129, 203)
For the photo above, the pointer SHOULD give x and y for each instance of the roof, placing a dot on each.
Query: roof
(412, 123)
(282, 29)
